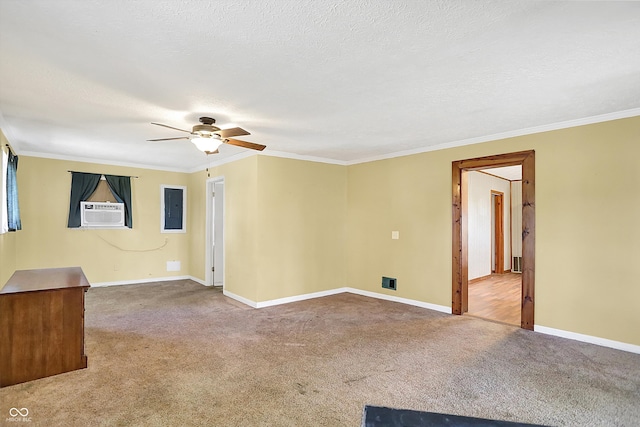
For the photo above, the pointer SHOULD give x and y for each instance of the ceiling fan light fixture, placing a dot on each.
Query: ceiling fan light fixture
(206, 143)
(207, 137)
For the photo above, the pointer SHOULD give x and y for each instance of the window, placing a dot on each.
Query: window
(173, 209)
(83, 187)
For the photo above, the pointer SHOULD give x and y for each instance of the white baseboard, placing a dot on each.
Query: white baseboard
(436, 307)
(240, 299)
(280, 301)
(302, 297)
(632, 348)
(140, 281)
(195, 279)
(320, 294)
(444, 309)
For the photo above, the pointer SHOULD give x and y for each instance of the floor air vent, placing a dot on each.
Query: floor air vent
(517, 264)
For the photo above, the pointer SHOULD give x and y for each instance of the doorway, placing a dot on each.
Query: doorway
(214, 264)
(460, 285)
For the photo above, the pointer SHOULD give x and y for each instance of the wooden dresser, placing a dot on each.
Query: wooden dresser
(42, 324)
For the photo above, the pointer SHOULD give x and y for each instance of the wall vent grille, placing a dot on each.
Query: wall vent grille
(389, 283)
(517, 264)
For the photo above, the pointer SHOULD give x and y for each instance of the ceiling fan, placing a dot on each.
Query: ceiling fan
(208, 137)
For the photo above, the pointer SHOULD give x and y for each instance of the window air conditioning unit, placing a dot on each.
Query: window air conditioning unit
(94, 214)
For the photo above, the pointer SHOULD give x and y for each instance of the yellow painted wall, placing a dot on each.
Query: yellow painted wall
(104, 255)
(411, 195)
(301, 220)
(239, 226)
(587, 232)
(284, 226)
(7, 256)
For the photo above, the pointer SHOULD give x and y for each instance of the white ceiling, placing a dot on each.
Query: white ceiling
(345, 81)
(511, 173)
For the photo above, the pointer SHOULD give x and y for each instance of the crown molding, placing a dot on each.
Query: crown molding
(8, 134)
(442, 146)
(286, 155)
(269, 153)
(222, 161)
(504, 135)
(96, 161)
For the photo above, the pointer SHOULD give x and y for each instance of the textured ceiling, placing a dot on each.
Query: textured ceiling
(511, 173)
(345, 81)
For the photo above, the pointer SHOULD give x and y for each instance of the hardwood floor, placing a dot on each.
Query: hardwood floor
(497, 297)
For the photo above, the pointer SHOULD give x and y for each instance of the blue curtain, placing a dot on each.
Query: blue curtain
(121, 188)
(13, 209)
(82, 187)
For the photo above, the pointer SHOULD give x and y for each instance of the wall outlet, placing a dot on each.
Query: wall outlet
(395, 235)
(173, 265)
(389, 283)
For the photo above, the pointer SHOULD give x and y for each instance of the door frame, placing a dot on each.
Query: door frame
(459, 277)
(498, 233)
(208, 263)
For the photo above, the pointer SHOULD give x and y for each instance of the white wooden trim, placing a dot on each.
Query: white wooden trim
(297, 298)
(440, 146)
(285, 155)
(510, 134)
(240, 299)
(435, 307)
(142, 281)
(441, 308)
(618, 345)
(208, 255)
(200, 281)
(96, 161)
(223, 161)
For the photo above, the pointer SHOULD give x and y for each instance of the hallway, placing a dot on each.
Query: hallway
(497, 297)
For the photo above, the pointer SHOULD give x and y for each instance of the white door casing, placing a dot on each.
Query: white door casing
(218, 231)
(214, 250)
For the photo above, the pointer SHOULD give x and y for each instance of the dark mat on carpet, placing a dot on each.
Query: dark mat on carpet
(377, 416)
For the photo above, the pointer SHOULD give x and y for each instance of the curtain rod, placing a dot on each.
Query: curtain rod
(100, 174)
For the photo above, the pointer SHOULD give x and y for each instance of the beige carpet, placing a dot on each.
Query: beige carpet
(178, 353)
